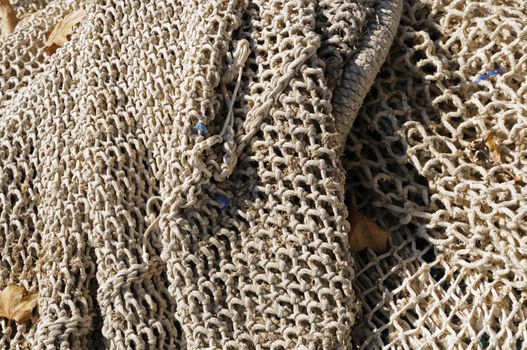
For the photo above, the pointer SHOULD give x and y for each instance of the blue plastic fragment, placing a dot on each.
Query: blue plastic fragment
(202, 127)
(224, 201)
(485, 76)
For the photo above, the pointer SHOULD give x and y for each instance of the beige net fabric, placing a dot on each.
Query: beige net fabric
(171, 177)
(455, 276)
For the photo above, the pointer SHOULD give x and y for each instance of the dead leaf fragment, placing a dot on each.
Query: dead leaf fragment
(366, 234)
(485, 149)
(494, 148)
(8, 18)
(63, 29)
(16, 304)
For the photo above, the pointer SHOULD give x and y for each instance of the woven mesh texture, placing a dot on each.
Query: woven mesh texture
(455, 276)
(170, 178)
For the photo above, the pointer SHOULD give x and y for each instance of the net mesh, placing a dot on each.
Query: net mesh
(455, 276)
(170, 178)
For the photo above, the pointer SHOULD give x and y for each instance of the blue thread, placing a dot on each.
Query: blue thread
(224, 201)
(202, 127)
(485, 76)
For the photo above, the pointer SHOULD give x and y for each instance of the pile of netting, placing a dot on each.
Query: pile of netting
(177, 175)
(170, 171)
(438, 154)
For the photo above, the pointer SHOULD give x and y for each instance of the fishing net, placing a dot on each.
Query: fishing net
(438, 156)
(170, 178)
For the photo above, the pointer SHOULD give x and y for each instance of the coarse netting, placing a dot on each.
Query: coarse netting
(455, 276)
(171, 177)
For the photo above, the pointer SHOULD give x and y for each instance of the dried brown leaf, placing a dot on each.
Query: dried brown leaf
(494, 148)
(63, 29)
(16, 304)
(366, 234)
(8, 18)
(484, 150)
